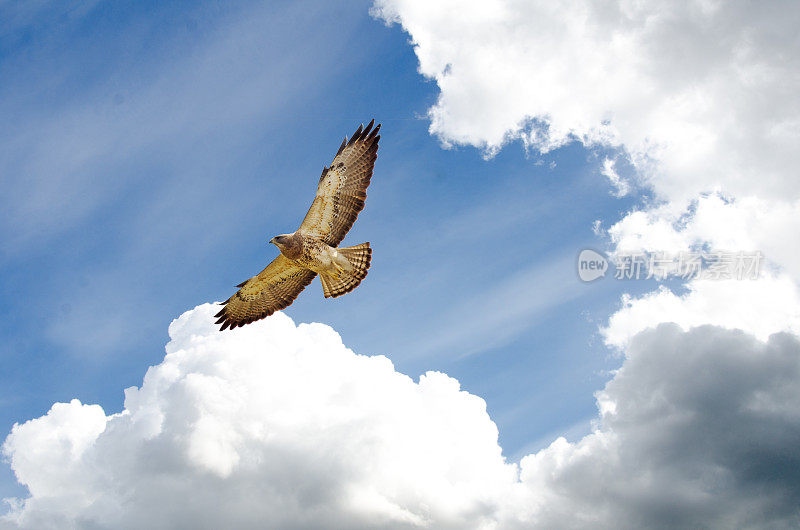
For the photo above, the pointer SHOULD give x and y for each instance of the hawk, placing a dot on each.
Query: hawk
(314, 247)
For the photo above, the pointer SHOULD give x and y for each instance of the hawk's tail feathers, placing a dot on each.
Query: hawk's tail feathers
(359, 257)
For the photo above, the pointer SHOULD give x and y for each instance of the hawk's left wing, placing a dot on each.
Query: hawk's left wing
(342, 187)
(272, 289)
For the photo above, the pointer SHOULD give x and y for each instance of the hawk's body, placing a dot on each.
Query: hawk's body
(312, 248)
(314, 254)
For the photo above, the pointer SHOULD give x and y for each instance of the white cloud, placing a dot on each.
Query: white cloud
(274, 425)
(701, 94)
(743, 224)
(621, 186)
(281, 425)
(277, 425)
(759, 307)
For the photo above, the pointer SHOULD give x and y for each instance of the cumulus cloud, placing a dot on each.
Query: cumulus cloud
(761, 308)
(698, 429)
(281, 426)
(745, 224)
(275, 425)
(751, 224)
(621, 186)
(700, 94)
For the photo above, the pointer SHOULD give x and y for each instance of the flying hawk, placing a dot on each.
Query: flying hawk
(313, 248)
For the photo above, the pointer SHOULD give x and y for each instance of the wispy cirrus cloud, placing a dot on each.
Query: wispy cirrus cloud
(89, 140)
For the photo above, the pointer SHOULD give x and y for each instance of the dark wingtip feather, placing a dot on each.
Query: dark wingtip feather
(356, 134)
(341, 147)
(374, 133)
(220, 313)
(225, 325)
(368, 128)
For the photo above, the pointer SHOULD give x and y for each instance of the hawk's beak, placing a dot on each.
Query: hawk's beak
(272, 240)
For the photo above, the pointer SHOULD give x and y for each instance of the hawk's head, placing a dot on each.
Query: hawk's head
(281, 240)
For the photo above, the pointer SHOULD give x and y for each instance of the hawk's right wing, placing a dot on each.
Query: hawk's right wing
(342, 188)
(272, 289)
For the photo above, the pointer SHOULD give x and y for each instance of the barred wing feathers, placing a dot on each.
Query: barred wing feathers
(272, 289)
(342, 188)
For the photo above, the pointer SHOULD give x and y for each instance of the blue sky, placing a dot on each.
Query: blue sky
(157, 148)
(152, 149)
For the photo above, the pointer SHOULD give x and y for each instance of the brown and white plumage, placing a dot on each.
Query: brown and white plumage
(311, 249)
(360, 256)
(342, 188)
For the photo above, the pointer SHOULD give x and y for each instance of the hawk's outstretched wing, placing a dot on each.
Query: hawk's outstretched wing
(342, 187)
(270, 290)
